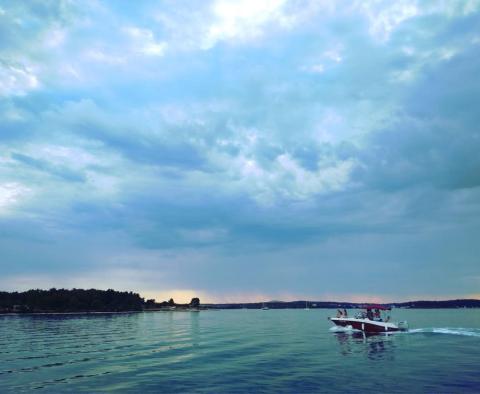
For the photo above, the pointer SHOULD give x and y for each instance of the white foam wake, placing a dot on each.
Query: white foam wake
(343, 329)
(470, 332)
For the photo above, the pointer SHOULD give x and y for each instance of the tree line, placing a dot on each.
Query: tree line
(75, 300)
(80, 300)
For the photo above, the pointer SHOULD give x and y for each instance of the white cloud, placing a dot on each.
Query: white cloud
(333, 55)
(155, 49)
(17, 80)
(453, 8)
(403, 76)
(299, 183)
(285, 178)
(69, 72)
(423, 59)
(328, 59)
(385, 16)
(239, 21)
(143, 41)
(10, 194)
(100, 56)
(317, 68)
(244, 20)
(74, 157)
(55, 38)
(314, 68)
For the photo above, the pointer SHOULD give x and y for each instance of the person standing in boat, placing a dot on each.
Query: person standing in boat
(369, 314)
(345, 313)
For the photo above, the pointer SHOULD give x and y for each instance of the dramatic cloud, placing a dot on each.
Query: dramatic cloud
(243, 149)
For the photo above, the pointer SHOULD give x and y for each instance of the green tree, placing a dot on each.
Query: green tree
(195, 302)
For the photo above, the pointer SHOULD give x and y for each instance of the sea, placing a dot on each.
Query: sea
(238, 351)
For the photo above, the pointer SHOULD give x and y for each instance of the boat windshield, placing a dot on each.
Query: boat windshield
(361, 315)
(372, 314)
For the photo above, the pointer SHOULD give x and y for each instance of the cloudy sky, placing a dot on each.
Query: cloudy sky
(241, 150)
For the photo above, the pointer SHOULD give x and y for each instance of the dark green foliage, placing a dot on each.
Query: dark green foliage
(75, 300)
(195, 302)
(150, 303)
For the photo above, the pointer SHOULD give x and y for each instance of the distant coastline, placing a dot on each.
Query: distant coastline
(421, 304)
(75, 301)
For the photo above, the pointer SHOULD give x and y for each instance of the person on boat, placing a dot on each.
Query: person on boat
(377, 315)
(369, 314)
(345, 313)
(339, 313)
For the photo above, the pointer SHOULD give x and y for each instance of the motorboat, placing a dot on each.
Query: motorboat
(373, 319)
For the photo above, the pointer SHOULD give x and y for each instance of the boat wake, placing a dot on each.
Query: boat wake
(343, 329)
(469, 332)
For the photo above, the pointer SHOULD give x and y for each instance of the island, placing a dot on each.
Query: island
(85, 301)
(97, 301)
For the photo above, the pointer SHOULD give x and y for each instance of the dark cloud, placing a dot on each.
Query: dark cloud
(63, 172)
(436, 138)
(337, 155)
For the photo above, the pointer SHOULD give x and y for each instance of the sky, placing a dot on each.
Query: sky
(241, 150)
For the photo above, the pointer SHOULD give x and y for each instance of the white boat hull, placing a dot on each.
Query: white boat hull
(367, 325)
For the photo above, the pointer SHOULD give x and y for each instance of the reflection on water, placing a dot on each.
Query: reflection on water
(195, 329)
(280, 351)
(374, 346)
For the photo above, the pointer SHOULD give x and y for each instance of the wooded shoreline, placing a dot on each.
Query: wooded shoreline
(83, 301)
(80, 301)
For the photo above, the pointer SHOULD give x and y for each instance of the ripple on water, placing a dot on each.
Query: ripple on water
(228, 351)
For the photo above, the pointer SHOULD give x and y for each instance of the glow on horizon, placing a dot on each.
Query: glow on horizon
(184, 296)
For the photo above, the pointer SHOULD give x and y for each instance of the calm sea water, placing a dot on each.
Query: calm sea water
(242, 351)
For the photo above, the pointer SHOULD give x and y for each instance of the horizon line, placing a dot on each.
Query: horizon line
(455, 298)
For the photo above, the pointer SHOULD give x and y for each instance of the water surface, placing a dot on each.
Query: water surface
(237, 351)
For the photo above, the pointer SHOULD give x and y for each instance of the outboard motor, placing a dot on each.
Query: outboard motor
(403, 325)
